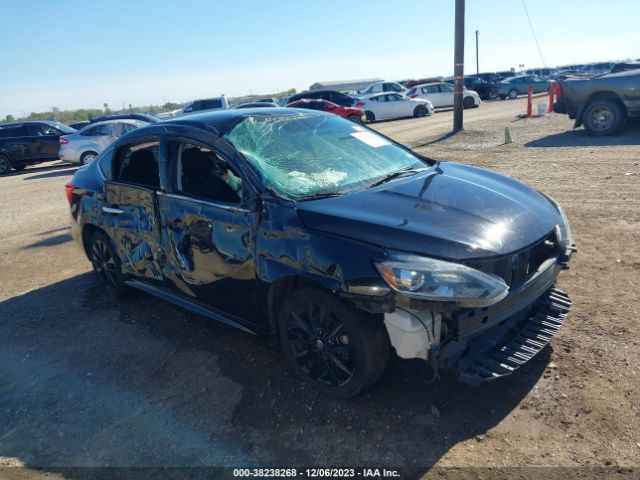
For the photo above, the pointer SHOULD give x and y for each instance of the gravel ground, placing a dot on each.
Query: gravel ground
(87, 382)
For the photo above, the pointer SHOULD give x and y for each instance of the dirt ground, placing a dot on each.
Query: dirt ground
(85, 382)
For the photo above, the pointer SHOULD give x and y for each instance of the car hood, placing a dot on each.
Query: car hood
(450, 211)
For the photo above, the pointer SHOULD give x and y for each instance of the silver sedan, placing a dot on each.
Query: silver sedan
(85, 144)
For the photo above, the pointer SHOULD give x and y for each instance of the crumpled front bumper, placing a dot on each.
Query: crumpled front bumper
(503, 349)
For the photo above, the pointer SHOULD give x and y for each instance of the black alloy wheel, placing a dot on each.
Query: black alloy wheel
(468, 102)
(5, 165)
(330, 345)
(106, 264)
(420, 111)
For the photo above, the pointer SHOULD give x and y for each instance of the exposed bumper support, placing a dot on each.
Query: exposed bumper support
(503, 349)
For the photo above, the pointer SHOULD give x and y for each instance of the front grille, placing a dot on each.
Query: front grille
(515, 268)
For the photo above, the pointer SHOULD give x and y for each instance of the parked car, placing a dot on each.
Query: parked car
(412, 83)
(385, 106)
(546, 73)
(624, 66)
(350, 113)
(601, 103)
(490, 77)
(144, 117)
(84, 145)
(514, 86)
(204, 105)
(506, 74)
(330, 95)
(28, 143)
(257, 105)
(79, 125)
(440, 95)
(329, 238)
(381, 87)
(485, 90)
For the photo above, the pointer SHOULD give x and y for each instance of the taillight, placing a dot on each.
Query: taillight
(360, 104)
(63, 141)
(68, 190)
(415, 95)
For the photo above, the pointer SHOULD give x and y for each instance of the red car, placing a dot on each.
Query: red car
(350, 113)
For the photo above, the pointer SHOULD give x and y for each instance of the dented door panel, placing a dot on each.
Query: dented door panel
(210, 254)
(130, 217)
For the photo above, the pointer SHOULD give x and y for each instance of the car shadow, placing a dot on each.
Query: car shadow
(52, 174)
(50, 242)
(629, 135)
(89, 382)
(41, 167)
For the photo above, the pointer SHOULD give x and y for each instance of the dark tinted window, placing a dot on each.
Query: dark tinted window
(14, 131)
(138, 164)
(204, 174)
(207, 104)
(99, 130)
(39, 129)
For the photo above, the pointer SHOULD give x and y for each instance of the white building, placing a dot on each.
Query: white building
(342, 85)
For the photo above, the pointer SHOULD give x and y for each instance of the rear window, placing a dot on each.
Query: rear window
(14, 131)
(209, 104)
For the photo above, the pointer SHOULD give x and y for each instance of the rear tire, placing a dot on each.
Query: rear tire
(330, 345)
(5, 165)
(420, 111)
(355, 118)
(106, 264)
(603, 117)
(370, 116)
(87, 157)
(513, 94)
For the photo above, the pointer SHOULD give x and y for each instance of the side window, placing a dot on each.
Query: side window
(99, 130)
(202, 173)
(394, 97)
(127, 127)
(394, 87)
(210, 104)
(446, 88)
(15, 131)
(138, 164)
(42, 129)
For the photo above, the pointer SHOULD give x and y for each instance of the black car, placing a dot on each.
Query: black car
(334, 96)
(145, 117)
(330, 239)
(27, 143)
(485, 90)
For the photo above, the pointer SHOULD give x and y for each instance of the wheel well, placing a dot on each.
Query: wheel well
(87, 232)
(605, 96)
(88, 151)
(279, 290)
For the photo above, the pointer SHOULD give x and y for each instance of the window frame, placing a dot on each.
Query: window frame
(118, 152)
(171, 166)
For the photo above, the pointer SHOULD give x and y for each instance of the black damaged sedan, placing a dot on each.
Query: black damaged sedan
(329, 238)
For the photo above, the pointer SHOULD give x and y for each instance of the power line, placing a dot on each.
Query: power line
(533, 32)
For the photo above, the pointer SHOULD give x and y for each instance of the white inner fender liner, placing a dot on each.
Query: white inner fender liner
(413, 332)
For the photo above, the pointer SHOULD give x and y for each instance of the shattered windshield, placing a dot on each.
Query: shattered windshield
(309, 155)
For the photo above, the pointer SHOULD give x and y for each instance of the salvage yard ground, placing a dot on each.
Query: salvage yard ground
(88, 382)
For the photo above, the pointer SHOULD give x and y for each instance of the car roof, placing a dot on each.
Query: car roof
(223, 120)
(52, 123)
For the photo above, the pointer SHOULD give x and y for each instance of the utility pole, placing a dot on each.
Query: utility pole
(458, 66)
(477, 56)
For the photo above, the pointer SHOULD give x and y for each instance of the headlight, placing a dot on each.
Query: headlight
(563, 230)
(430, 279)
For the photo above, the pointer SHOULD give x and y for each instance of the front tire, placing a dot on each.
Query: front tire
(87, 157)
(330, 345)
(603, 117)
(106, 264)
(355, 118)
(420, 111)
(468, 102)
(5, 165)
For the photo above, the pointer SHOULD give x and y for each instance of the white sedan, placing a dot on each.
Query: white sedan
(383, 106)
(440, 94)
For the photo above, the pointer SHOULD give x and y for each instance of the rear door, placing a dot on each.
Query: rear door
(446, 95)
(17, 141)
(130, 214)
(210, 221)
(432, 93)
(399, 104)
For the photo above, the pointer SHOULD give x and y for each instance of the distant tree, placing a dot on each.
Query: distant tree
(9, 118)
(291, 91)
(55, 113)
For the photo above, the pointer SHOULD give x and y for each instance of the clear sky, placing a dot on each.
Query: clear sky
(83, 53)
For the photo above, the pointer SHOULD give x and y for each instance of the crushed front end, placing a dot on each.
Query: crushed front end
(485, 342)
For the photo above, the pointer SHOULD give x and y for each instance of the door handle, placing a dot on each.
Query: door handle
(114, 211)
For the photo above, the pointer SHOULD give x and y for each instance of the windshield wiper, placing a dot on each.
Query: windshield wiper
(405, 172)
(319, 195)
